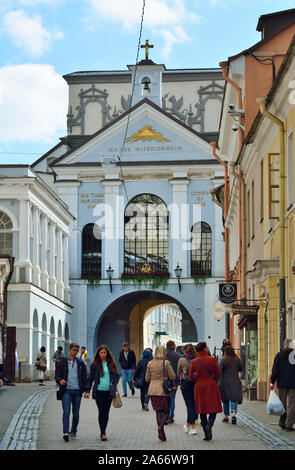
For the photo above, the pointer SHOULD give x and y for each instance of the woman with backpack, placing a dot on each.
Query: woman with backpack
(139, 378)
(187, 387)
(230, 385)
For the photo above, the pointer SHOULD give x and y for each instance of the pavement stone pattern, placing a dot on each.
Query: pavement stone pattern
(10, 400)
(22, 432)
(130, 428)
(31, 418)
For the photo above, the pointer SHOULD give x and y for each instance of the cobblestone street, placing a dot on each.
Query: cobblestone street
(36, 423)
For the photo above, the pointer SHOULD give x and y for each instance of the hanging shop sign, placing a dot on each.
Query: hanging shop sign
(228, 292)
(245, 309)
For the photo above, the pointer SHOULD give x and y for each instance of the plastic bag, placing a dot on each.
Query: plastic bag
(274, 405)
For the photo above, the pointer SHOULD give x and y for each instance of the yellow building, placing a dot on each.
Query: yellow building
(267, 161)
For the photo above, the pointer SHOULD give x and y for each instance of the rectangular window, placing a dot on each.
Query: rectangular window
(253, 210)
(290, 170)
(261, 191)
(248, 217)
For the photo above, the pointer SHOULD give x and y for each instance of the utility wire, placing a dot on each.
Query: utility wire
(132, 93)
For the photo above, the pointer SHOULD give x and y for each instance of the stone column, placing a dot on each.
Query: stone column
(44, 242)
(24, 265)
(179, 226)
(59, 265)
(65, 241)
(36, 279)
(52, 256)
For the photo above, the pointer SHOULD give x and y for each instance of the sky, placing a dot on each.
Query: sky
(42, 40)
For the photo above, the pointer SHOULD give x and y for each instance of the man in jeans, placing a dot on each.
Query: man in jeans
(71, 375)
(173, 357)
(127, 362)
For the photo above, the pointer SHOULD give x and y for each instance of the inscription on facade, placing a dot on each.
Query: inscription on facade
(199, 197)
(91, 199)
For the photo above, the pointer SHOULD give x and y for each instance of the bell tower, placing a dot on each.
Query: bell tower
(148, 79)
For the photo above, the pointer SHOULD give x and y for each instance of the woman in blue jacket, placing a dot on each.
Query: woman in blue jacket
(103, 372)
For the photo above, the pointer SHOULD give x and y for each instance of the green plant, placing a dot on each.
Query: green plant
(92, 280)
(199, 280)
(154, 281)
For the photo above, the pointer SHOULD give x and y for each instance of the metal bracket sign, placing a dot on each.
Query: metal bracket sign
(228, 292)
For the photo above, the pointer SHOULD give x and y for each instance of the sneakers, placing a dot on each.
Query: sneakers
(146, 407)
(73, 435)
(192, 432)
(186, 428)
(66, 437)
(234, 420)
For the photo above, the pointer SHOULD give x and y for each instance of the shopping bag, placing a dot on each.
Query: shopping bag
(274, 405)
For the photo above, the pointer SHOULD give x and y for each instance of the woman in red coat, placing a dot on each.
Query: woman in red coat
(204, 371)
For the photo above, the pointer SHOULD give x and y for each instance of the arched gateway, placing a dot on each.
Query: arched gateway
(123, 320)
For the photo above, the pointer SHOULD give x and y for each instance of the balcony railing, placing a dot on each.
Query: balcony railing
(91, 266)
(201, 268)
(142, 268)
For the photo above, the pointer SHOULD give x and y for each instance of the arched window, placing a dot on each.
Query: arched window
(5, 234)
(146, 237)
(91, 250)
(201, 249)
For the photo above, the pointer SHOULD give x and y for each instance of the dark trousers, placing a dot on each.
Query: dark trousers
(187, 389)
(172, 405)
(71, 397)
(103, 401)
(205, 422)
(143, 395)
(287, 397)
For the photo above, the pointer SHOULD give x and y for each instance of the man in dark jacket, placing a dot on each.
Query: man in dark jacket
(71, 375)
(127, 362)
(173, 358)
(283, 372)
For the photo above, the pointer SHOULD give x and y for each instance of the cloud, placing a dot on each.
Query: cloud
(33, 103)
(177, 36)
(157, 12)
(28, 33)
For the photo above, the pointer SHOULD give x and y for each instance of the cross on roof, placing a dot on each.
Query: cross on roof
(147, 46)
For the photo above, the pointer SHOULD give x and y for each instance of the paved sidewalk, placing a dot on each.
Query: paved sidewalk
(11, 398)
(131, 428)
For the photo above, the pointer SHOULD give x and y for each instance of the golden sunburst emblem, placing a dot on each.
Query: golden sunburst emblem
(147, 133)
(146, 268)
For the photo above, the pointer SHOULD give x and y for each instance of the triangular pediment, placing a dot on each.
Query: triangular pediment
(152, 135)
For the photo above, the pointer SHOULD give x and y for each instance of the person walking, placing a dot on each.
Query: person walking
(157, 370)
(230, 385)
(187, 387)
(226, 342)
(173, 357)
(103, 372)
(41, 363)
(283, 372)
(71, 375)
(127, 362)
(83, 355)
(139, 378)
(204, 371)
(57, 355)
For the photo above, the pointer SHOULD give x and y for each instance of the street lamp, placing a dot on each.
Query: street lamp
(110, 272)
(178, 273)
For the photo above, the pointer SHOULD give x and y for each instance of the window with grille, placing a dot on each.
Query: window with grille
(5, 234)
(146, 238)
(201, 249)
(91, 250)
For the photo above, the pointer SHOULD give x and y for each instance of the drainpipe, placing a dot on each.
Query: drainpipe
(224, 164)
(282, 280)
(242, 241)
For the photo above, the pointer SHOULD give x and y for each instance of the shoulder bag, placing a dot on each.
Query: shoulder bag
(168, 384)
(209, 372)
